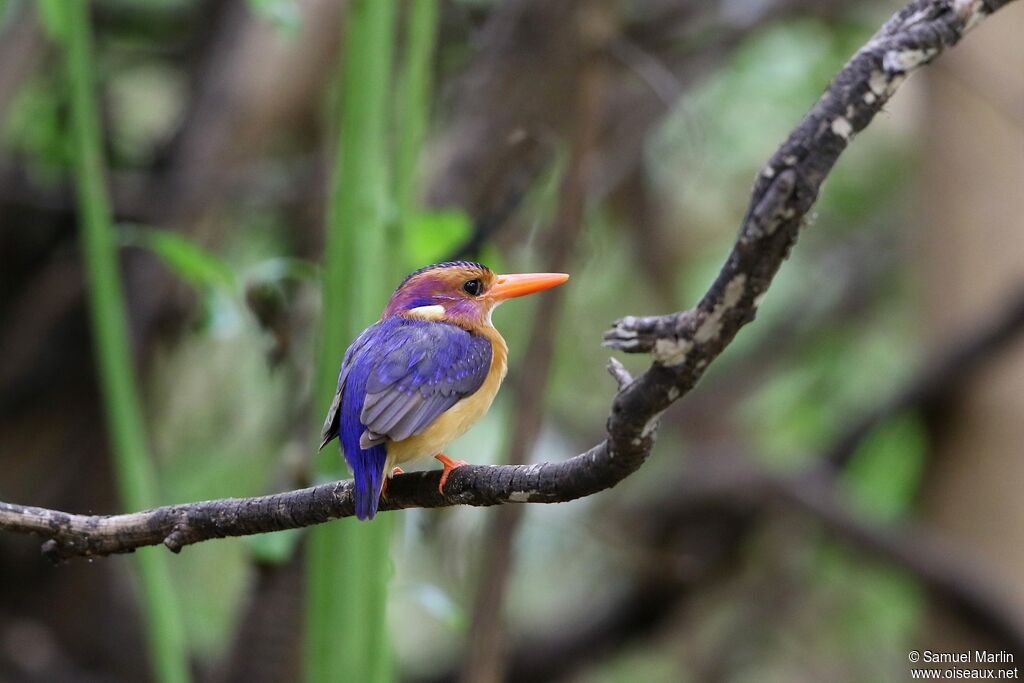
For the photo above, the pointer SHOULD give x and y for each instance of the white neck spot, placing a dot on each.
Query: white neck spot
(432, 313)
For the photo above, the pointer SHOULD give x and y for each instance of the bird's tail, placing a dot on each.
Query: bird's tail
(367, 464)
(368, 471)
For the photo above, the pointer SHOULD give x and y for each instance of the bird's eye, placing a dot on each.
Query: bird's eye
(472, 287)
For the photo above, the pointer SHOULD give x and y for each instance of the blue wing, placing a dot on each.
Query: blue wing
(331, 423)
(397, 378)
(426, 368)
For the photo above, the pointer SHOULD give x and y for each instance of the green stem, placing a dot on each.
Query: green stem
(136, 478)
(413, 114)
(348, 563)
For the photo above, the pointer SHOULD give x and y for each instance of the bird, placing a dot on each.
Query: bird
(424, 373)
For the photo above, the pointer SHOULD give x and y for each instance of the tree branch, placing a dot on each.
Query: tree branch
(728, 506)
(683, 344)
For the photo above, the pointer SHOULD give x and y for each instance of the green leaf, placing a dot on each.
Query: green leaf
(432, 236)
(188, 260)
(885, 472)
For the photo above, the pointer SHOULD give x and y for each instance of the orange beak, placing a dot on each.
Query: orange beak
(521, 284)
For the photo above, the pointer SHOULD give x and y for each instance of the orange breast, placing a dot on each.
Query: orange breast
(457, 420)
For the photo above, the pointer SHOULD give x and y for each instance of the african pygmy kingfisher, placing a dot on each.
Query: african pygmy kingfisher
(423, 374)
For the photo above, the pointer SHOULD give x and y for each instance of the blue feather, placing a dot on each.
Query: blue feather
(367, 465)
(395, 380)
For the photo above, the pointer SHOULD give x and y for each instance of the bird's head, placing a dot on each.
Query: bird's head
(462, 292)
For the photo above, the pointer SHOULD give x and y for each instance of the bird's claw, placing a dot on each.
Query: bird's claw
(384, 484)
(449, 465)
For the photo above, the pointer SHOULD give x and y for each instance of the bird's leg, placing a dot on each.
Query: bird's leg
(384, 484)
(449, 465)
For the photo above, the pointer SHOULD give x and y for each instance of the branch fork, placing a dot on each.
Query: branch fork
(683, 344)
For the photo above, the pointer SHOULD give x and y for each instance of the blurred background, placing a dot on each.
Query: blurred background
(842, 487)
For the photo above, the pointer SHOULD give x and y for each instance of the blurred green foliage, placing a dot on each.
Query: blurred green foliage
(191, 262)
(349, 563)
(886, 470)
(223, 421)
(284, 15)
(431, 237)
(34, 127)
(135, 473)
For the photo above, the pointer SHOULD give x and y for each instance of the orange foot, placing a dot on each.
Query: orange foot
(449, 465)
(384, 484)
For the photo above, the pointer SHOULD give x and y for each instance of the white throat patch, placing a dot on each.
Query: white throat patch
(490, 311)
